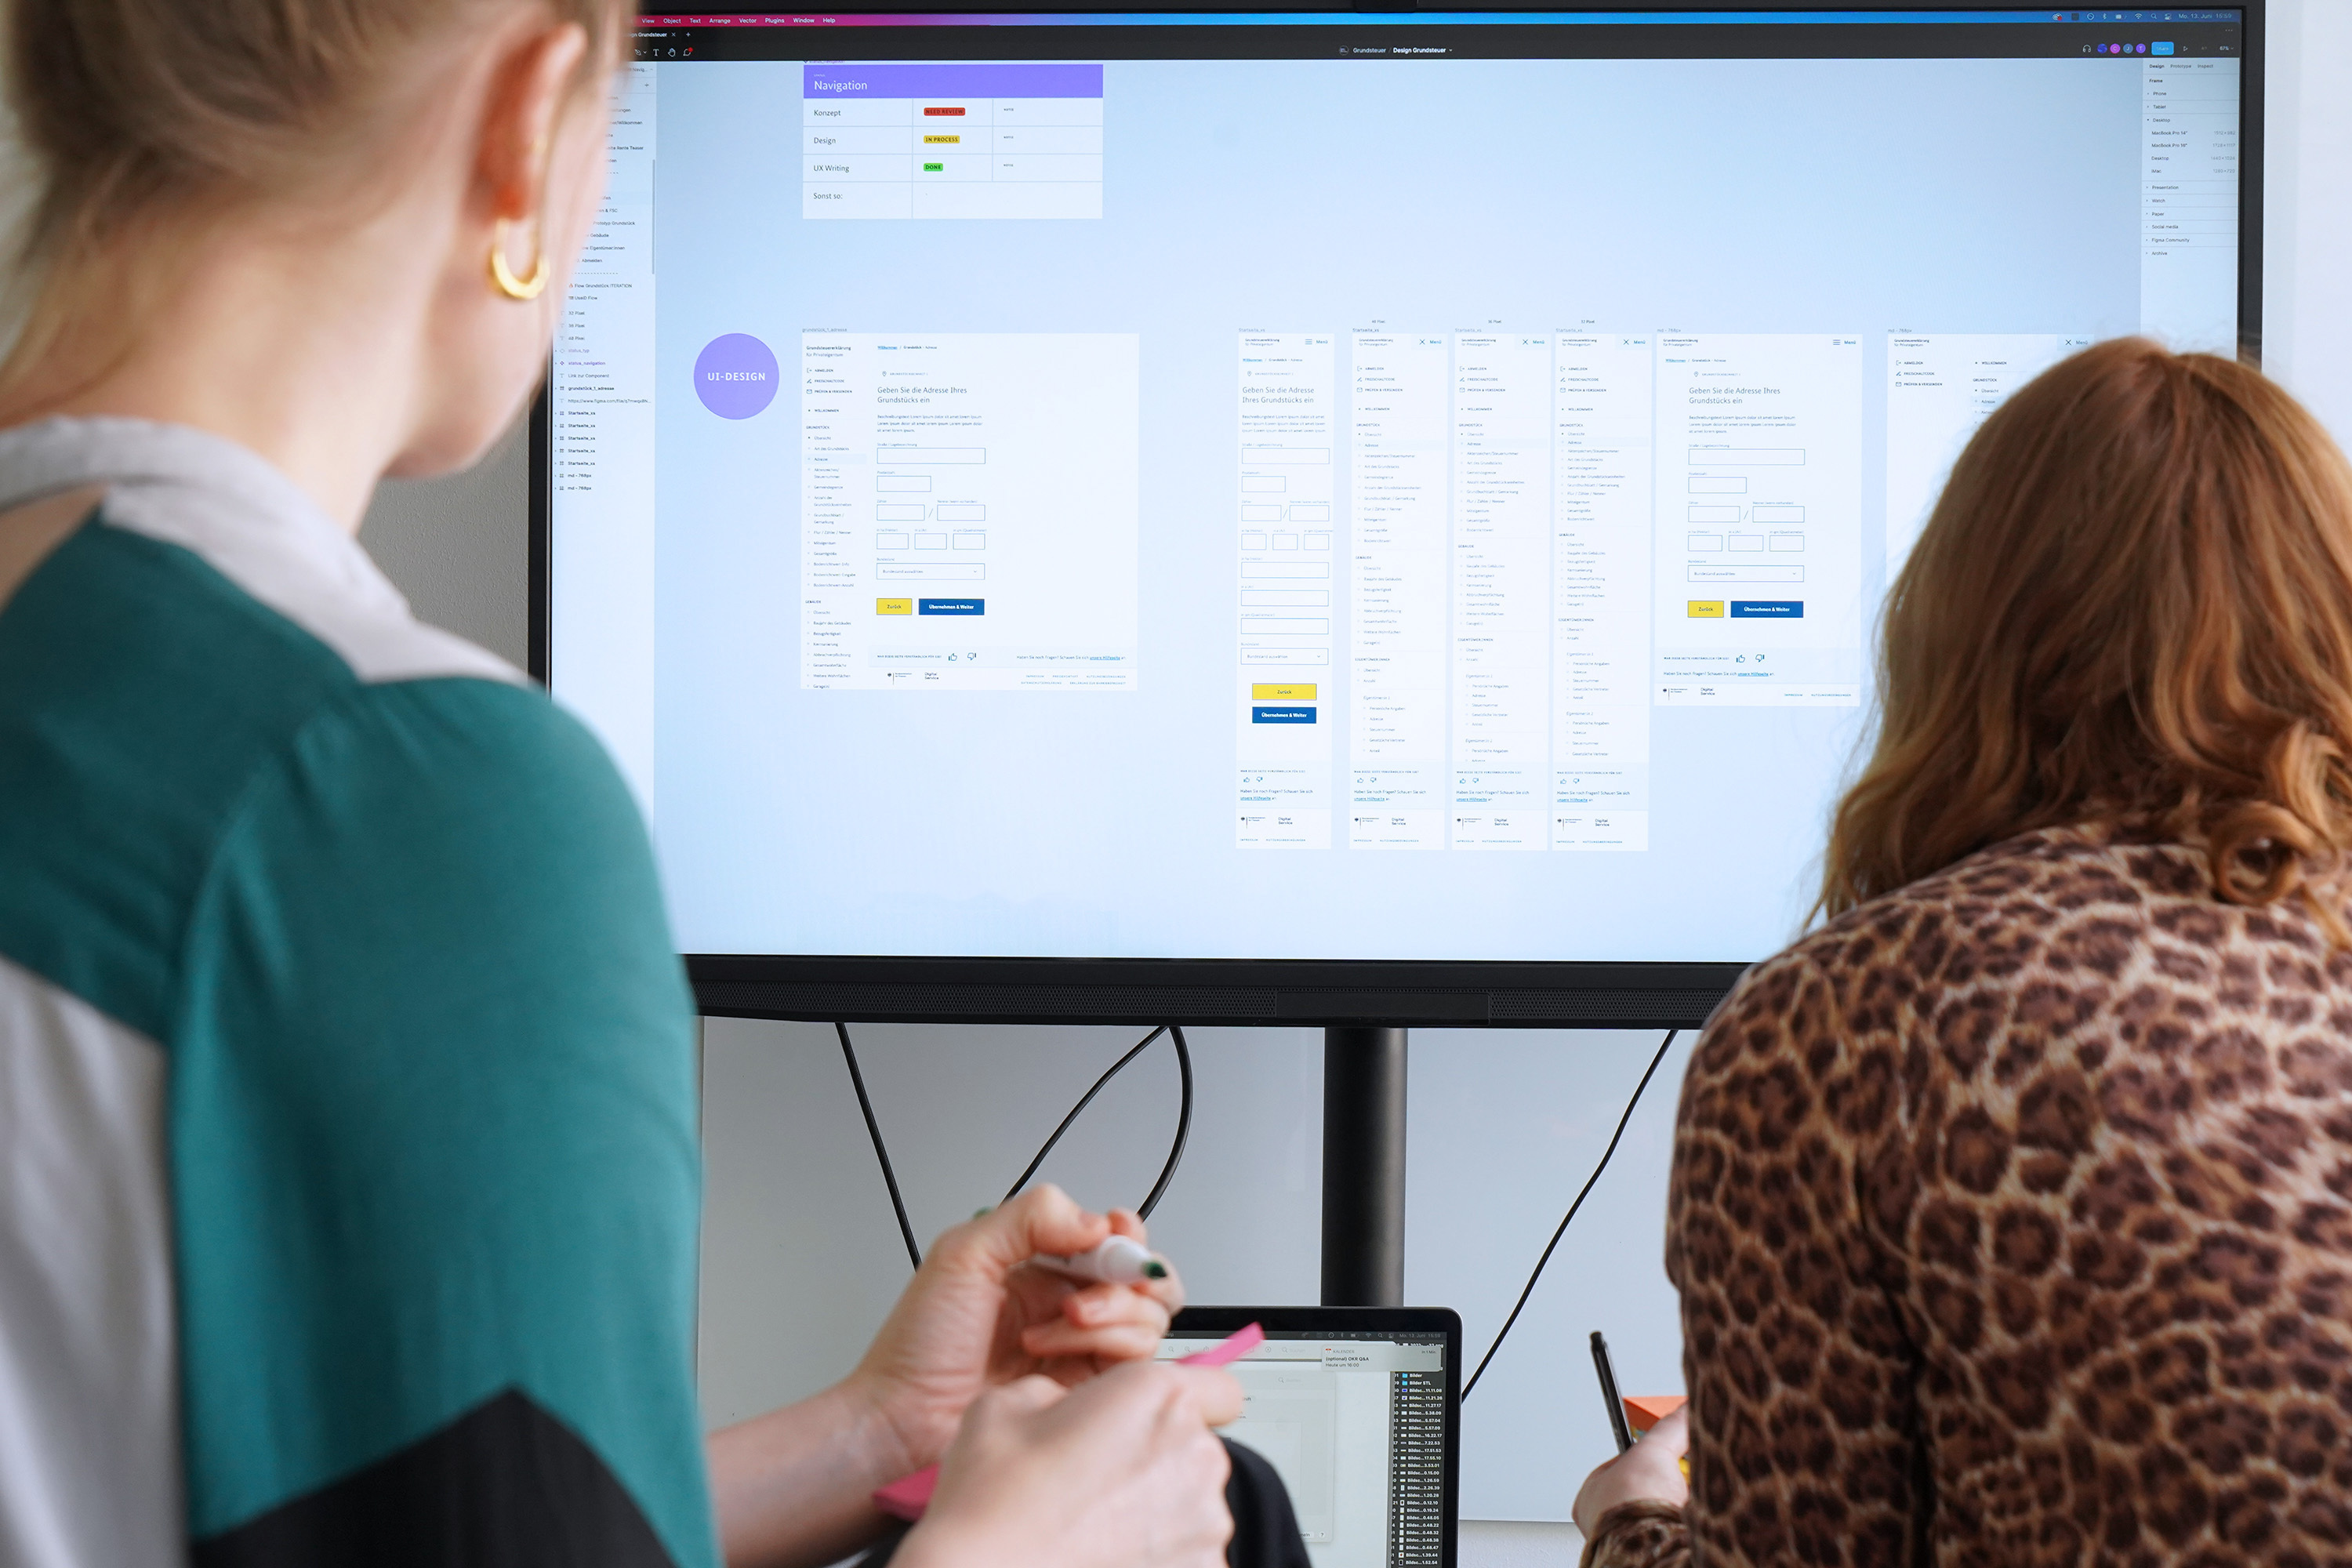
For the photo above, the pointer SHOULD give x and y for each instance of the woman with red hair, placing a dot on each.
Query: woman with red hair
(2011, 1208)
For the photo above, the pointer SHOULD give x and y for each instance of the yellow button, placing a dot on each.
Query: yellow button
(893, 607)
(1280, 693)
(1706, 609)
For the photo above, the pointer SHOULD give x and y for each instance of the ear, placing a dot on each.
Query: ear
(529, 92)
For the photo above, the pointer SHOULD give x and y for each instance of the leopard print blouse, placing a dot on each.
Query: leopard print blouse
(2013, 1218)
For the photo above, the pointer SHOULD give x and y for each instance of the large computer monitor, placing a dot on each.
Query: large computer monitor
(1322, 517)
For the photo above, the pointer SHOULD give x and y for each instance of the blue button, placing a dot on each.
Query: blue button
(1768, 609)
(1282, 715)
(951, 606)
(2159, 48)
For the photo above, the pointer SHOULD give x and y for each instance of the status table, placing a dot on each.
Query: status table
(951, 141)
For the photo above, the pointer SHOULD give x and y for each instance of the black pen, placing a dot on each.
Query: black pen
(1609, 1392)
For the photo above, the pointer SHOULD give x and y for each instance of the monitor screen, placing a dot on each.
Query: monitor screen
(1356, 1423)
(1326, 485)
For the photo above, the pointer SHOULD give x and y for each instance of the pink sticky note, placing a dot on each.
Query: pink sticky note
(1233, 1347)
(908, 1495)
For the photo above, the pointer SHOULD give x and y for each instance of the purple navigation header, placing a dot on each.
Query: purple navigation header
(852, 79)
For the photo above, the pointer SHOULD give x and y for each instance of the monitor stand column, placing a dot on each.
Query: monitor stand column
(1363, 1167)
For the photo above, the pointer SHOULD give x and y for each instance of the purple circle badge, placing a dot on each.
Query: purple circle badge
(736, 376)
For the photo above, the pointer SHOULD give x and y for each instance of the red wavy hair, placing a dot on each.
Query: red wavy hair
(2132, 607)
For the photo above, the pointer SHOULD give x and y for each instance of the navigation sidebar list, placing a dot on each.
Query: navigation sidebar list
(1602, 490)
(1940, 388)
(1397, 630)
(601, 397)
(1501, 582)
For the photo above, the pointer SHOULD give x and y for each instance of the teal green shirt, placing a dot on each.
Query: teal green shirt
(345, 951)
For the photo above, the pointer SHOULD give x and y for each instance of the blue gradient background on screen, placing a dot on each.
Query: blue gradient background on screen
(1717, 196)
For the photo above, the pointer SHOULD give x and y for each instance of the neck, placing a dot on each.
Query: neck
(302, 349)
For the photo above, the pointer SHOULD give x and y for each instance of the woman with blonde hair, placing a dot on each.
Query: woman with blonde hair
(348, 1178)
(2011, 1208)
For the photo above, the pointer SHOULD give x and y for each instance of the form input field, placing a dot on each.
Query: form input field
(1702, 543)
(1746, 456)
(971, 542)
(1718, 484)
(1284, 598)
(936, 572)
(930, 455)
(1311, 512)
(1286, 656)
(1265, 485)
(1275, 456)
(1284, 626)
(1261, 514)
(893, 542)
(1768, 511)
(1253, 542)
(1787, 542)
(1285, 569)
(1714, 514)
(902, 483)
(1747, 574)
(897, 511)
(961, 512)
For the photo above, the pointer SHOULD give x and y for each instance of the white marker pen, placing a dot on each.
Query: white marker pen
(1119, 1260)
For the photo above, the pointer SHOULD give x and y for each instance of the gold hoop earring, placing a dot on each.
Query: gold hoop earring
(502, 276)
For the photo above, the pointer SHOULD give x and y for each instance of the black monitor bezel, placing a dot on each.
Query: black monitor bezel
(1565, 994)
(1362, 1320)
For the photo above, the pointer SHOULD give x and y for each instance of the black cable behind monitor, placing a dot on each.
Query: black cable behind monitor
(1086, 1099)
(1183, 1116)
(1183, 1124)
(1664, 1045)
(874, 1130)
(1152, 1199)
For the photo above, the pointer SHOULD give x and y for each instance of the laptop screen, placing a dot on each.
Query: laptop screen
(1355, 1424)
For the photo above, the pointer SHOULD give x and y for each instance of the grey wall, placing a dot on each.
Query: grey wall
(801, 1256)
(2307, 227)
(460, 547)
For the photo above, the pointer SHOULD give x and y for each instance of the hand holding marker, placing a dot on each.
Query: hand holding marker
(1118, 1260)
(1645, 1411)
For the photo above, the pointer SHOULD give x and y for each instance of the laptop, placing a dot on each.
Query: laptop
(1359, 1410)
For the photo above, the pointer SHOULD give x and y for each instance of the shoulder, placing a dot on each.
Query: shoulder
(1837, 1010)
(176, 653)
(2069, 892)
(443, 813)
(1862, 1011)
